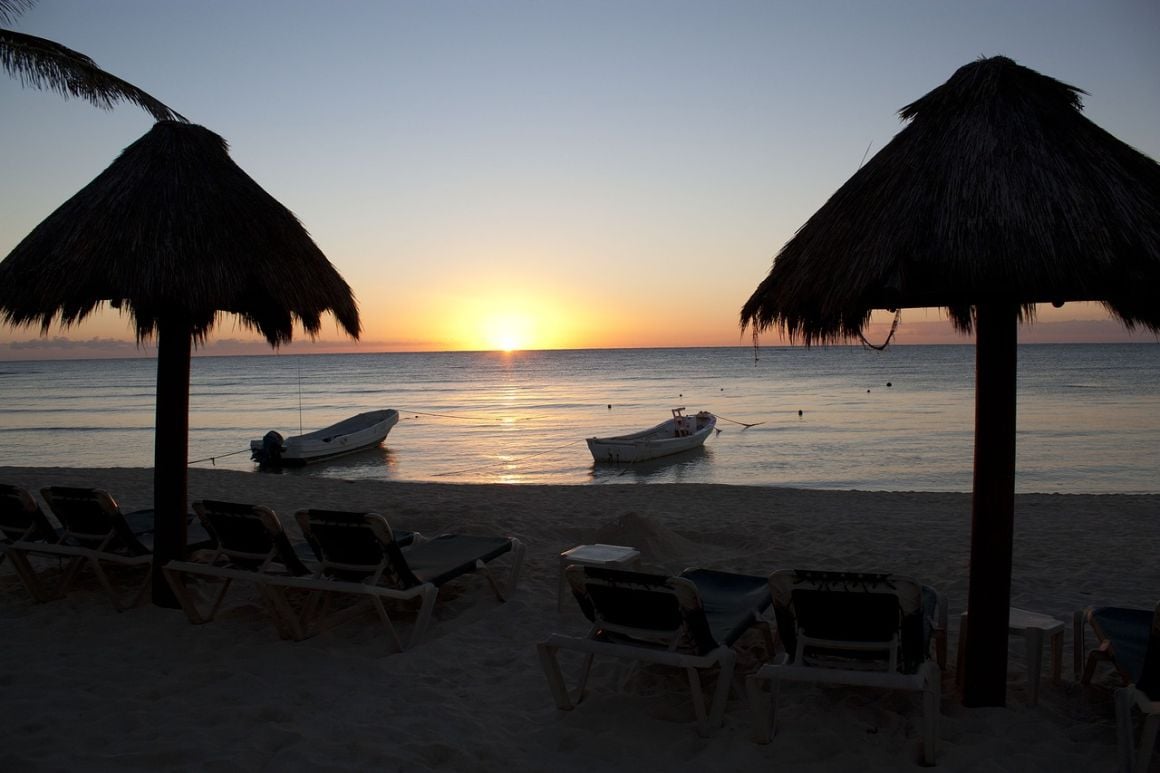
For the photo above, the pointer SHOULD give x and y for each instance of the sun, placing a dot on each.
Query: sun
(508, 332)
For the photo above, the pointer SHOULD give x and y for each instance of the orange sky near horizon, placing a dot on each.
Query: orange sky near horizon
(509, 322)
(510, 175)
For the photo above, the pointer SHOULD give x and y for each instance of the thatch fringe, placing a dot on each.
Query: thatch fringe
(999, 190)
(174, 227)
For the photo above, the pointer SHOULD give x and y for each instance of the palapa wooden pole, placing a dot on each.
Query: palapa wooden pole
(170, 452)
(992, 506)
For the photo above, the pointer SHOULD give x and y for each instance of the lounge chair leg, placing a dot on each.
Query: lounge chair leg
(69, 575)
(1034, 637)
(1133, 758)
(395, 641)
(721, 694)
(582, 682)
(142, 590)
(423, 619)
(1095, 656)
(517, 564)
(930, 714)
(761, 704)
(1077, 643)
(556, 684)
(1147, 742)
(1124, 745)
(138, 596)
(221, 596)
(517, 552)
(185, 598)
(315, 615)
(703, 720)
(289, 624)
(28, 576)
(481, 568)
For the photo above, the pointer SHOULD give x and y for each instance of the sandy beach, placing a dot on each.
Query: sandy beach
(87, 688)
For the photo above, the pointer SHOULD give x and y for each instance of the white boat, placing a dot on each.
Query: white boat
(680, 433)
(366, 430)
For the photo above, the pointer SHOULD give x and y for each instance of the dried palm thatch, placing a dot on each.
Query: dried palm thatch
(174, 227)
(997, 196)
(174, 232)
(998, 190)
(42, 63)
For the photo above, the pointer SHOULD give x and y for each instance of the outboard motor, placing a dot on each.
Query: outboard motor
(271, 450)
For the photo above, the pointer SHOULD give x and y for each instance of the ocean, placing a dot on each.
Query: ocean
(836, 417)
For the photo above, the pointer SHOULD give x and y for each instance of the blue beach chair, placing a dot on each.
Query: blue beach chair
(95, 532)
(360, 555)
(857, 629)
(690, 622)
(251, 547)
(1130, 640)
(25, 531)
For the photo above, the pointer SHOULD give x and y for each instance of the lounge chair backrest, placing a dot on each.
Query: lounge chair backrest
(864, 616)
(92, 519)
(1149, 682)
(643, 607)
(356, 546)
(250, 536)
(21, 519)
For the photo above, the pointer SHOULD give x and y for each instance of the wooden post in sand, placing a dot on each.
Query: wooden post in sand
(992, 506)
(170, 452)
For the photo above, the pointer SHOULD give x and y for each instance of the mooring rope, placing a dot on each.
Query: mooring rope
(465, 418)
(734, 421)
(213, 459)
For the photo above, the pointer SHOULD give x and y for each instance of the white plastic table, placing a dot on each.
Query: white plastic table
(613, 556)
(1033, 627)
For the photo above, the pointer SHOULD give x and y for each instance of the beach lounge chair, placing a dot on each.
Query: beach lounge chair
(95, 532)
(866, 630)
(24, 530)
(1121, 635)
(1130, 640)
(691, 622)
(359, 555)
(252, 547)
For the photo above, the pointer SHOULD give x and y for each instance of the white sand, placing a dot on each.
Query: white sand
(84, 687)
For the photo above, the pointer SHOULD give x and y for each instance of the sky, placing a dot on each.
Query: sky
(547, 174)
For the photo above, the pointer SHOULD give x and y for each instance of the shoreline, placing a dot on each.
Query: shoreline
(472, 696)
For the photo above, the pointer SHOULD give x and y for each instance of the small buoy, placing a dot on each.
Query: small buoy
(610, 406)
(867, 391)
(889, 384)
(799, 413)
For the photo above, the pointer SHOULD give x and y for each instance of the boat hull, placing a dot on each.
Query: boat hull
(358, 433)
(680, 433)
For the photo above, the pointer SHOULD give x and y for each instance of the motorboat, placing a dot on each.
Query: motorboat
(360, 432)
(672, 436)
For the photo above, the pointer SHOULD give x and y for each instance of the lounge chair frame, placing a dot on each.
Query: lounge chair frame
(25, 530)
(1135, 757)
(264, 558)
(1141, 691)
(94, 533)
(675, 646)
(383, 576)
(800, 666)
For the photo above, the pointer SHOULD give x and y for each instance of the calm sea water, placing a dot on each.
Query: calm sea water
(840, 417)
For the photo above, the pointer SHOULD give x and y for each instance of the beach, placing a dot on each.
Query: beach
(85, 687)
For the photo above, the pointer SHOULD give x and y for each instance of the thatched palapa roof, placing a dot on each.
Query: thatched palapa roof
(173, 227)
(999, 189)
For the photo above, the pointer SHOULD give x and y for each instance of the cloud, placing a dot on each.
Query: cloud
(62, 347)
